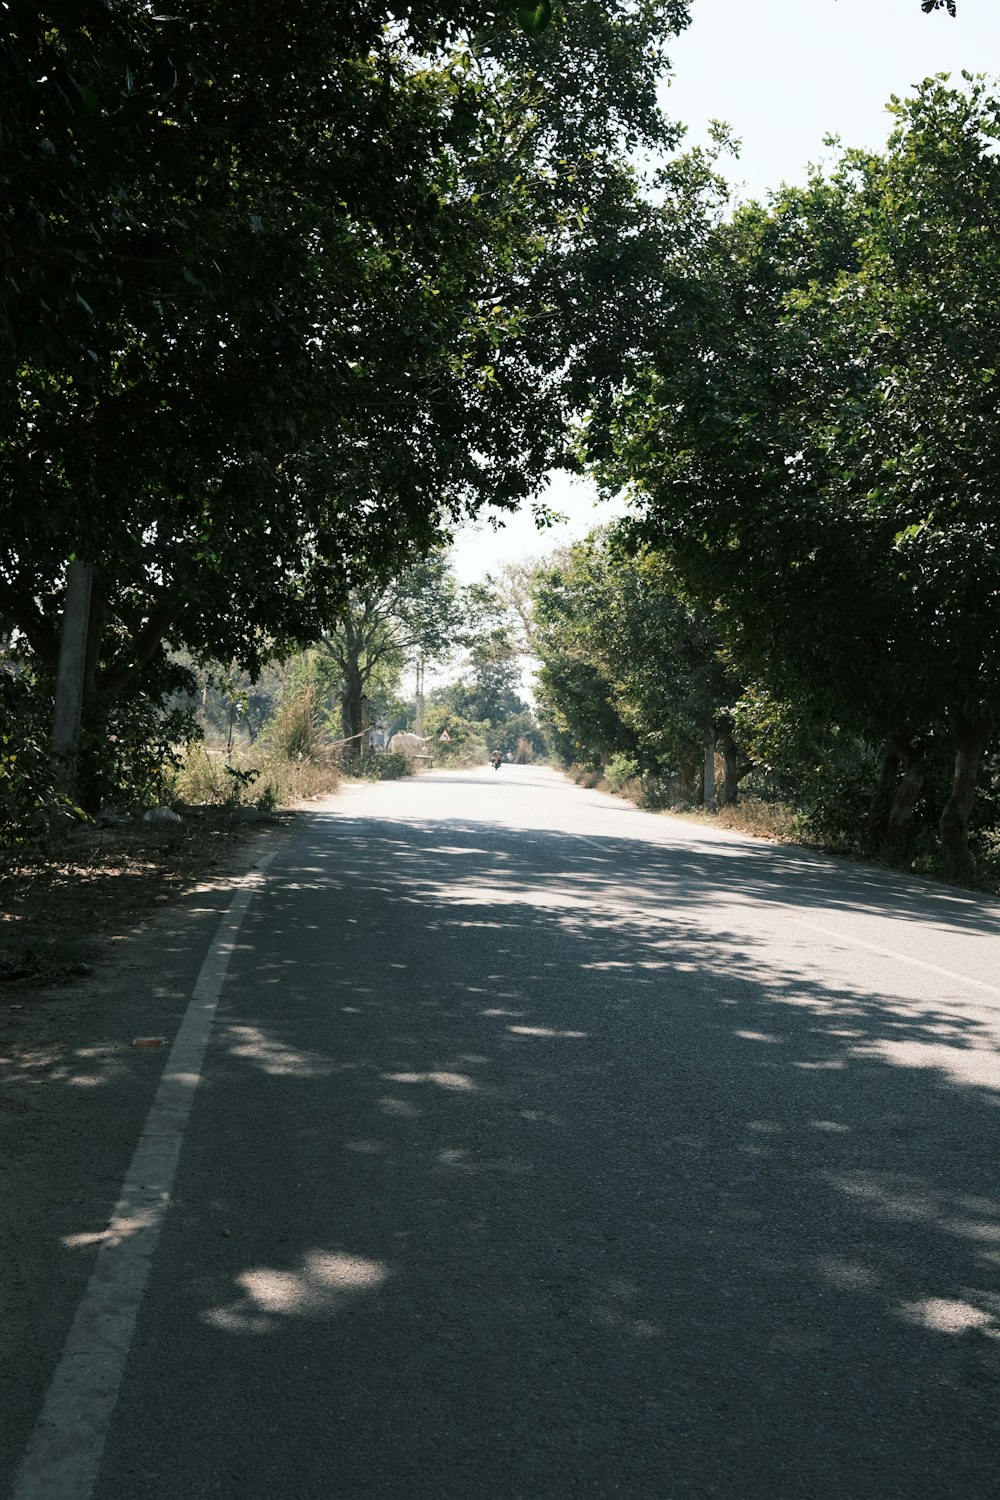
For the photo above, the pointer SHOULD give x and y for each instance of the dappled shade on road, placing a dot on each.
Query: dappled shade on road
(580, 1191)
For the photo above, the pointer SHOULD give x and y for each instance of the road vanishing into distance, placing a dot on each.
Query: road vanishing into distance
(531, 1147)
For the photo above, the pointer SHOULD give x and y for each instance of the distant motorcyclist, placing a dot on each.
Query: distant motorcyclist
(496, 758)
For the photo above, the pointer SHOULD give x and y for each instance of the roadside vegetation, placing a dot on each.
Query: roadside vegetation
(226, 504)
(640, 693)
(802, 613)
(293, 291)
(252, 754)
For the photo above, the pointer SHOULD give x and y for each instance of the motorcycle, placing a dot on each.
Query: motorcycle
(495, 760)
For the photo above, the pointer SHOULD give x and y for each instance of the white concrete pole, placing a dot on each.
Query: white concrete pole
(418, 726)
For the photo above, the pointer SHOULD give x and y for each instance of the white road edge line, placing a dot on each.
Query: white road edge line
(64, 1452)
(902, 958)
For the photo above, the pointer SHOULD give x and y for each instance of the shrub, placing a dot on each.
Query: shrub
(393, 764)
(29, 801)
(835, 809)
(373, 764)
(650, 792)
(585, 776)
(619, 770)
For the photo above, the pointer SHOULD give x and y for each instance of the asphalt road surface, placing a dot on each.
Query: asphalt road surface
(548, 1150)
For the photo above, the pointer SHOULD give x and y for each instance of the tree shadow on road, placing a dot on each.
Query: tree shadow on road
(578, 1195)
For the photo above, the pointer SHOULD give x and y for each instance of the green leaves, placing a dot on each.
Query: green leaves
(534, 19)
(295, 287)
(629, 667)
(830, 404)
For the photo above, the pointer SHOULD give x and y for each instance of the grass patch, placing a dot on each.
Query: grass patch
(263, 780)
(766, 820)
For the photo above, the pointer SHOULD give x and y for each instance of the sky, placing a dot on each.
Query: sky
(784, 74)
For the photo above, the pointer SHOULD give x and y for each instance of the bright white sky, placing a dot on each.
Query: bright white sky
(783, 73)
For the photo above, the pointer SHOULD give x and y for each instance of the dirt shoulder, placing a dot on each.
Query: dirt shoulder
(101, 939)
(61, 905)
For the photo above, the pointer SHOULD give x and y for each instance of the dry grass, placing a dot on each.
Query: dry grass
(586, 778)
(255, 779)
(767, 820)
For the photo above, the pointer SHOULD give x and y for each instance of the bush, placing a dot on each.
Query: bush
(393, 765)
(835, 807)
(651, 792)
(29, 801)
(620, 770)
(585, 776)
(372, 764)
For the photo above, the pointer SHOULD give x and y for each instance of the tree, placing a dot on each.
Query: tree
(628, 666)
(489, 692)
(292, 287)
(379, 625)
(574, 689)
(816, 446)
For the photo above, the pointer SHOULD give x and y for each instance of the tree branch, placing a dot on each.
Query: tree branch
(22, 610)
(126, 667)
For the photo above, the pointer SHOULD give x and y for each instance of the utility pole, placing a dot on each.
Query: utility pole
(418, 726)
(69, 677)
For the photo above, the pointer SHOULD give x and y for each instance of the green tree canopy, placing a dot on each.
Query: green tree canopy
(286, 289)
(488, 690)
(380, 625)
(815, 449)
(628, 666)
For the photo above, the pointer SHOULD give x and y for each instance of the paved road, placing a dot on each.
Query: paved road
(547, 1150)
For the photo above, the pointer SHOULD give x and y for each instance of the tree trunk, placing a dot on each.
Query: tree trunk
(99, 687)
(352, 711)
(731, 771)
(709, 784)
(970, 735)
(70, 676)
(913, 763)
(881, 804)
(352, 695)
